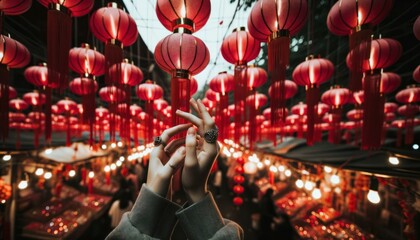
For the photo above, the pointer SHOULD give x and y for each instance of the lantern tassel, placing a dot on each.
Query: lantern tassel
(373, 112)
(113, 55)
(252, 129)
(48, 117)
(180, 96)
(240, 71)
(312, 97)
(409, 131)
(278, 54)
(149, 111)
(58, 46)
(224, 117)
(4, 102)
(357, 57)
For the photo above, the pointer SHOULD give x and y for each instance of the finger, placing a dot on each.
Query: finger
(205, 116)
(190, 145)
(174, 162)
(173, 145)
(166, 135)
(193, 104)
(190, 117)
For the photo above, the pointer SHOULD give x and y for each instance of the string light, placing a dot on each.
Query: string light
(327, 169)
(23, 184)
(72, 173)
(120, 144)
(103, 146)
(113, 166)
(299, 183)
(107, 168)
(282, 168)
(39, 171)
(373, 195)
(288, 173)
(316, 193)
(113, 145)
(309, 185)
(91, 174)
(48, 151)
(7, 157)
(335, 179)
(119, 163)
(47, 175)
(393, 160)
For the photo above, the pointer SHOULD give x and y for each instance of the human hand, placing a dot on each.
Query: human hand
(198, 163)
(163, 164)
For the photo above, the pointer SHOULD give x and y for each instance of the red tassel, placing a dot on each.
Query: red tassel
(68, 134)
(252, 130)
(357, 57)
(18, 136)
(239, 76)
(113, 55)
(312, 98)
(399, 137)
(180, 96)
(409, 131)
(373, 112)
(223, 116)
(48, 113)
(58, 46)
(278, 54)
(334, 135)
(149, 111)
(136, 133)
(4, 102)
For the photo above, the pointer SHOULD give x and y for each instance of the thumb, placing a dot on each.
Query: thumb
(190, 145)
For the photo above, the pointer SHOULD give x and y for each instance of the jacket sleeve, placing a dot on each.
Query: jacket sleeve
(152, 217)
(203, 220)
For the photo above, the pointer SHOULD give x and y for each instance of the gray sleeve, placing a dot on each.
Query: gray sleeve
(203, 220)
(152, 217)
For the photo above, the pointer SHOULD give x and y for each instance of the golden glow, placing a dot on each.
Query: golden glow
(373, 197)
(91, 174)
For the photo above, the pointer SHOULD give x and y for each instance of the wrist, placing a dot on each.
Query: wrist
(196, 196)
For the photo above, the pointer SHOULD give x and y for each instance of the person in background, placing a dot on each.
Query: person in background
(154, 215)
(119, 207)
(268, 216)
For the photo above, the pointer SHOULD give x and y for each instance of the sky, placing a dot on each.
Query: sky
(152, 31)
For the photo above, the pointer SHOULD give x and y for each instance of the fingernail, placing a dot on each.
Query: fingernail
(191, 131)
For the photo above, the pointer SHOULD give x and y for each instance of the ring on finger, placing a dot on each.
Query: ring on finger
(159, 141)
(210, 136)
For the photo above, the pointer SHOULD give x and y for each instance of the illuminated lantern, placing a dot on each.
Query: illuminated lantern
(112, 95)
(210, 105)
(67, 106)
(311, 74)
(59, 38)
(149, 92)
(254, 103)
(36, 100)
(274, 21)
(239, 48)
(18, 105)
(390, 107)
(382, 53)
(335, 98)
(238, 201)
(14, 7)
(101, 120)
(12, 55)
(238, 189)
(222, 83)
(135, 110)
(416, 74)
(389, 82)
(181, 55)
(116, 29)
(249, 168)
(355, 18)
(193, 86)
(409, 96)
(190, 14)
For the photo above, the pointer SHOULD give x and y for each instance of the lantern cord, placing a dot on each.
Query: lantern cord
(4, 102)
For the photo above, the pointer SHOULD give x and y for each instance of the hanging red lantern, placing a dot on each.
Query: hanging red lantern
(336, 98)
(112, 95)
(83, 86)
(193, 86)
(254, 103)
(238, 201)
(190, 14)
(389, 82)
(67, 106)
(274, 21)
(409, 96)
(149, 92)
(135, 110)
(390, 107)
(255, 77)
(116, 29)
(11, 93)
(18, 105)
(210, 105)
(355, 19)
(416, 28)
(239, 48)
(59, 36)
(181, 55)
(238, 179)
(311, 74)
(36, 100)
(12, 55)
(87, 62)
(14, 7)
(238, 189)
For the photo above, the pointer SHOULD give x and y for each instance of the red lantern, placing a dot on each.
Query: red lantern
(238, 179)
(59, 36)
(135, 110)
(239, 48)
(116, 29)
(18, 105)
(389, 82)
(190, 14)
(112, 95)
(409, 95)
(208, 104)
(67, 106)
(336, 98)
(128, 74)
(193, 86)
(83, 86)
(416, 28)
(181, 55)
(86, 61)
(390, 107)
(160, 104)
(356, 19)
(238, 189)
(254, 103)
(149, 92)
(238, 201)
(35, 99)
(12, 55)
(311, 74)
(14, 7)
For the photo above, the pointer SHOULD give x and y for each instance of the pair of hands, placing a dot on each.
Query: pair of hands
(196, 157)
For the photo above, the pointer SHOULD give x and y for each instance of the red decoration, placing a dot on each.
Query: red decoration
(356, 18)
(416, 28)
(336, 98)
(189, 14)
(416, 73)
(12, 55)
(409, 96)
(36, 99)
(239, 48)
(311, 74)
(193, 86)
(238, 179)
(67, 106)
(149, 92)
(135, 110)
(116, 29)
(181, 55)
(14, 7)
(238, 189)
(86, 61)
(238, 201)
(389, 82)
(113, 96)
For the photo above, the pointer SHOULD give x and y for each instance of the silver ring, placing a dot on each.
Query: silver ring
(158, 141)
(210, 136)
